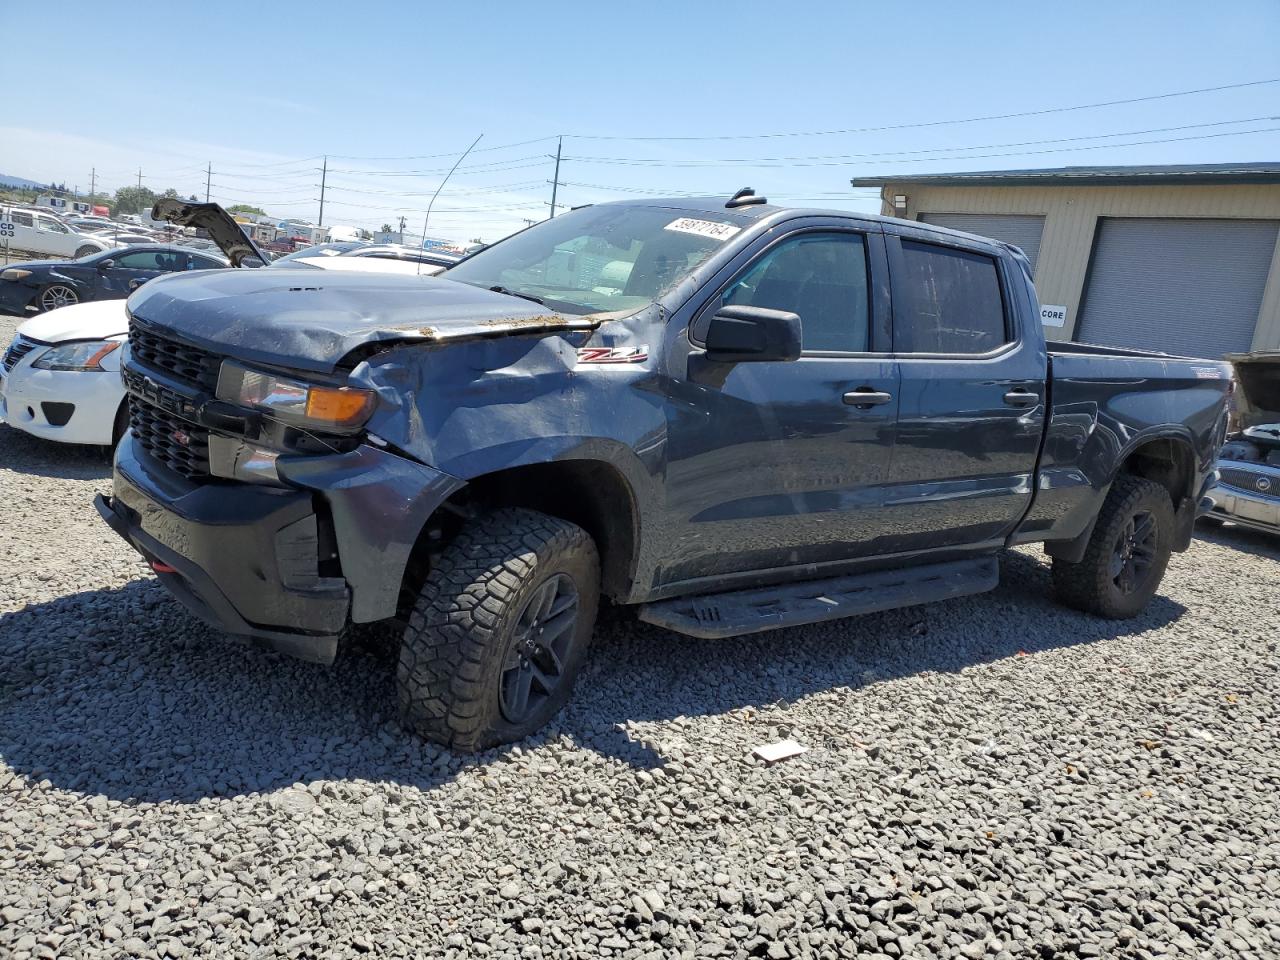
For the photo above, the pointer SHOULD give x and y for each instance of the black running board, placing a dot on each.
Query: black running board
(732, 614)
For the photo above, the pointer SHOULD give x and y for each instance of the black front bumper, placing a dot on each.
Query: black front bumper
(243, 558)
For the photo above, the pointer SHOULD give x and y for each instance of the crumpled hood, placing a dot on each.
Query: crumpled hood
(210, 217)
(1258, 374)
(310, 320)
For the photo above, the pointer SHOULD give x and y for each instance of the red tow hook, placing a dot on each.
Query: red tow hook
(159, 567)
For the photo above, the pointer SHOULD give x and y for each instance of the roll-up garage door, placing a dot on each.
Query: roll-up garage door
(1022, 231)
(1190, 287)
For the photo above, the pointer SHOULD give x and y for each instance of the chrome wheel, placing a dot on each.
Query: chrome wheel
(1134, 553)
(534, 665)
(58, 295)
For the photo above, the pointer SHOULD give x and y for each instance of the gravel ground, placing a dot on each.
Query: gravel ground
(991, 777)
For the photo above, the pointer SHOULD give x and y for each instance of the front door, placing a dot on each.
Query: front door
(780, 464)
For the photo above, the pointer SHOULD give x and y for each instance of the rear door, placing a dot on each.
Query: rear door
(972, 400)
(772, 466)
(56, 237)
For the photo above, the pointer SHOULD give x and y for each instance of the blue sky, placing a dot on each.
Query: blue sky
(394, 91)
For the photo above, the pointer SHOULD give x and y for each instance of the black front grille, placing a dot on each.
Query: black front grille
(183, 362)
(180, 445)
(20, 347)
(1267, 484)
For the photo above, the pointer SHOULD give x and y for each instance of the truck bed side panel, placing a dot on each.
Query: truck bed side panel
(1103, 408)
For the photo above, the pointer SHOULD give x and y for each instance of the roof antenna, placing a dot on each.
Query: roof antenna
(745, 197)
(427, 218)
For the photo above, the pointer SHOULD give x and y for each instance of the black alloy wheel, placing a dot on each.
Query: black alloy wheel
(534, 665)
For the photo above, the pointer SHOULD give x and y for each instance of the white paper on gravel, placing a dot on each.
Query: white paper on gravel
(781, 750)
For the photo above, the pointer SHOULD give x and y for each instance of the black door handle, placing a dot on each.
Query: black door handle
(1021, 398)
(866, 397)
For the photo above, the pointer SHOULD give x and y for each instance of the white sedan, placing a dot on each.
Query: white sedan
(60, 378)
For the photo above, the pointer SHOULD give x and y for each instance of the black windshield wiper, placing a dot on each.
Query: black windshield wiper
(516, 293)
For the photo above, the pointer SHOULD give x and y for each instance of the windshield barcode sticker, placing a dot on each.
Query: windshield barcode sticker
(703, 228)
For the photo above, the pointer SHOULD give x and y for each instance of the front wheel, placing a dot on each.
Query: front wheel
(1127, 553)
(57, 295)
(499, 630)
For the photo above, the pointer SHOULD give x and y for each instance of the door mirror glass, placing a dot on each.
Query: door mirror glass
(740, 334)
(106, 264)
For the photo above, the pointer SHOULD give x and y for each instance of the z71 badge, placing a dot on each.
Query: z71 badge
(613, 354)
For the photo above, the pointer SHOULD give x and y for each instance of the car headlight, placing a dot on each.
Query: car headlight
(15, 274)
(295, 402)
(86, 355)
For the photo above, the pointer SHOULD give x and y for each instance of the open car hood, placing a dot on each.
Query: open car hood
(1258, 374)
(220, 225)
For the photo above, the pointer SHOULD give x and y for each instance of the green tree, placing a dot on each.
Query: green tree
(170, 194)
(387, 228)
(133, 200)
(246, 208)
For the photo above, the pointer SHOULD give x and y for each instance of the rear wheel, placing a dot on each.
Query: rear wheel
(57, 295)
(1127, 552)
(499, 630)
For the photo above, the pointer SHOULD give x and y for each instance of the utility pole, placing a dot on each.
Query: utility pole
(208, 180)
(324, 176)
(555, 184)
(401, 231)
(93, 183)
(139, 178)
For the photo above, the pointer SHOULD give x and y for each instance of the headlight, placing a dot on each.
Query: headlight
(86, 355)
(293, 401)
(15, 274)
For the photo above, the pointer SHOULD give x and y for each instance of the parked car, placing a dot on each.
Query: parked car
(42, 285)
(392, 251)
(60, 377)
(86, 403)
(1247, 491)
(43, 233)
(730, 416)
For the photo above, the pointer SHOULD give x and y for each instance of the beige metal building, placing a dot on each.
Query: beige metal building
(1182, 259)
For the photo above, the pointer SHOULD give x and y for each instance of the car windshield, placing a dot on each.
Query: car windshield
(599, 259)
(322, 250)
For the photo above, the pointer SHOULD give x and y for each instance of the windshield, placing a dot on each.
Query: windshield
(599, 259)
(323, 250)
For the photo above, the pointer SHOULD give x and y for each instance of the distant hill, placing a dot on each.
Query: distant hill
(19, 182)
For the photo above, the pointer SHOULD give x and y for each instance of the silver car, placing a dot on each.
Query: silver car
(1248, 487)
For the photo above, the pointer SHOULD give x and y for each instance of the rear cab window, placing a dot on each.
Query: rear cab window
(947, 301)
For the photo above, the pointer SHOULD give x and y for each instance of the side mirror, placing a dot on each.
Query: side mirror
(741, 334)
(136, 282)
(106, 264)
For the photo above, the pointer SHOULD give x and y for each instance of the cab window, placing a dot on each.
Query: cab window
(948, 301)
(822, 277)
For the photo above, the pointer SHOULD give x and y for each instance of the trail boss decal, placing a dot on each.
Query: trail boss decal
(613, 354)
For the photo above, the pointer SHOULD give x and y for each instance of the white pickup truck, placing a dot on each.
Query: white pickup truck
(34, 232)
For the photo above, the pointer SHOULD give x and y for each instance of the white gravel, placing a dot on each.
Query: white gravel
(991, 777)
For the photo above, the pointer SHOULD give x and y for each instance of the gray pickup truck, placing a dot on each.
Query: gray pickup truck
(727, 415)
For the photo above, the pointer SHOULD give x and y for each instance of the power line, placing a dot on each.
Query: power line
(903, 153)
(942, 123)
(674, 164)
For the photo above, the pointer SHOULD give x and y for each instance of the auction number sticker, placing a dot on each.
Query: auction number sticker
(6, 230)
(703, 228)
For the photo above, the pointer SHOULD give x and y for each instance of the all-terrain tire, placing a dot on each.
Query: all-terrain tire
(464, 628)
(1091, 584)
